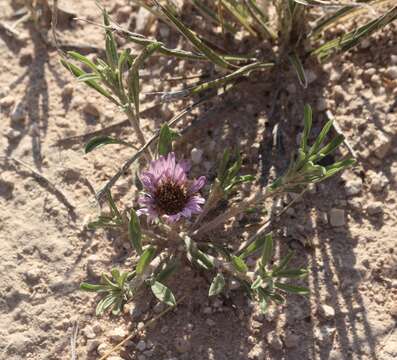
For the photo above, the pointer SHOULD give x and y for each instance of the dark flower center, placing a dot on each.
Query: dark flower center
(170, 198)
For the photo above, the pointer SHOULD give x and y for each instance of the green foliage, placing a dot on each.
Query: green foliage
(114, 291)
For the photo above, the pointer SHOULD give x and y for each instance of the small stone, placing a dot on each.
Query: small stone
(365, 43)
(391, 72)
(210, 322)
(67, 91)
(337, 217)
(326, 312)
(118, 334)
(18, 113)
(256, 324)
(182, 344)
(257, 352)
(393, 59)
(274, 341)
(323, 217)
(141, 346)
(311, 76)
(207, 310)
(164, 330)
(324, 333)
(379, 182)
(32, 276)
(92, 345)
(89, 332)
(90, 109)
(196, 155)
(353, 187)
(102, 349)
(123, 14)
(7, 102)
(381, 145)
(291, 340)
(142, 20)
(375, 208)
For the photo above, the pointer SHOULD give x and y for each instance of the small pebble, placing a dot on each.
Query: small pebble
(326, 312)
(182, 344)
(353, 187)
(375, 208)
(196, 155)
(118, 334)
(7, 101)
(274, 341)
(141, 346)
(337, 217)
(391, 72)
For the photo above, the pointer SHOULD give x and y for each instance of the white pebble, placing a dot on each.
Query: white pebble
(196, 155)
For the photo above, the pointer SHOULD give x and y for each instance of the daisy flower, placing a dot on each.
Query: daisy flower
(168, 193)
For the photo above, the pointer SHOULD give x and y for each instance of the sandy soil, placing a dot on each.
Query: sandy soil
(47, 251)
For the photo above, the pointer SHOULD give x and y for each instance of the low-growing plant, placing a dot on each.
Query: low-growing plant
(162, 226)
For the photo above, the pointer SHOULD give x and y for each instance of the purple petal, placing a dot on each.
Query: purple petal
(197, 184)
(148, 181)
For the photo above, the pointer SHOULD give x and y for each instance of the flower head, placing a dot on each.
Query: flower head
(167, 191)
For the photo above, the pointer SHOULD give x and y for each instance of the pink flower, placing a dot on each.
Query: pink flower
(167, 191)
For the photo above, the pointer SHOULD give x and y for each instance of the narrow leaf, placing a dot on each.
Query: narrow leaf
(239, 264)
(298, 66)
(100, 141)
(163, 293)
(292, 288)
(145, 259)
(217, 285)
(134, 232)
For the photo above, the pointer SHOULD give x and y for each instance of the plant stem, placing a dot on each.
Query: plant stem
(236, 209)
(141, 137)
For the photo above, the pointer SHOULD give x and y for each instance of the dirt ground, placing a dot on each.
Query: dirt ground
(47, 250)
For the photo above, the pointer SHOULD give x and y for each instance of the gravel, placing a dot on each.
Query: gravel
(337, 217)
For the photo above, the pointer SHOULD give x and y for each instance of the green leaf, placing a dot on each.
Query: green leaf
(292, 273)
(254, 246)
(76, 71)
(239, 264)
(165, 139)
(292, 288)
(163, 293)
(300, 71)
(167, 271)
(267, 250)
(134, 232)
(257, 283)
(308, 120)
(223, 165)
(284, 262)
(194, 39)
(320, 138)
(104, 304)
(99, 141)
(83, 59)
(263, 305)
(91, 287)
(217, 285)
(145, 259)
